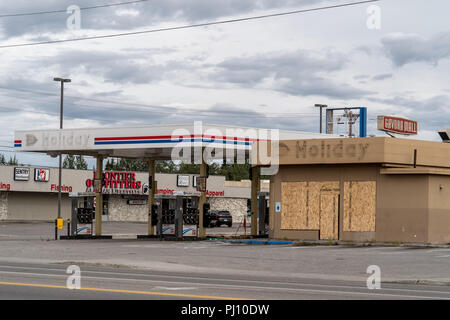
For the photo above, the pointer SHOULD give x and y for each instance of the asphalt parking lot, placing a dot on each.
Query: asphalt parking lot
(46, 230)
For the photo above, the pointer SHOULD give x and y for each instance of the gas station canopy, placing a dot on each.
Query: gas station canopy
(149, 142)
(195, 142)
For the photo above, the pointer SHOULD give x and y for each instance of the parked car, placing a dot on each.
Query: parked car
(211, 218)
(224, 217)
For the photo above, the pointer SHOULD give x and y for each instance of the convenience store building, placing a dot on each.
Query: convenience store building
(362, 189)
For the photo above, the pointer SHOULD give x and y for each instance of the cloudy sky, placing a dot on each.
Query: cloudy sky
(261, 73)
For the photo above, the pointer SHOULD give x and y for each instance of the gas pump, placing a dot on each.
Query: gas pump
(191, 215)
(82, 220)
(179, 217)
(167, 222)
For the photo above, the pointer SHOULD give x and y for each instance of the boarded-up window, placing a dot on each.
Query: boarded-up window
(300, 203)
(329, 215)
(293, 205)
(359, 206)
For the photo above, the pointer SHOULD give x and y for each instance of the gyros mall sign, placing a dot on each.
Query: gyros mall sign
(397, 125)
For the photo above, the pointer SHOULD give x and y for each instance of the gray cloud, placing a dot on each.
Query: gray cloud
(383, 76)
(432, 113)
(301, 73)
(149, 13)
(135, 67)
(407, 48)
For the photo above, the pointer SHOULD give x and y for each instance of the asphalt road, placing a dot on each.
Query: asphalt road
(33, 266)
(48, 281)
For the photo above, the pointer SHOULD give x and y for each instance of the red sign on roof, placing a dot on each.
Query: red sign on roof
(397, 125)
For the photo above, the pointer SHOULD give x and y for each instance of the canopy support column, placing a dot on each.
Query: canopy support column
(99, 196)
(254, 200)
(201, 202)
(151, 194)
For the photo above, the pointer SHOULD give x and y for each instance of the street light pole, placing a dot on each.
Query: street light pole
(321, 106)
(62, 80)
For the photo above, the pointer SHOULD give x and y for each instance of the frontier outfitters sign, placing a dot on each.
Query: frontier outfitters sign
(117, 183)
(397, 125)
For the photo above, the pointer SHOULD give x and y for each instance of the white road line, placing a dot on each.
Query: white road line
(174, 289)
(437, 250)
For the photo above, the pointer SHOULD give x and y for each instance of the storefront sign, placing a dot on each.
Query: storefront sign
(41, 175)
(165, 191)
(53, 140)
(5, 186)
(330, 149)
(201, 184)
(215, 193)
(116, 183)
(397, 125)
(21, 174)
(64, 188)
(194, 181)
(137, 202)
(182, 181)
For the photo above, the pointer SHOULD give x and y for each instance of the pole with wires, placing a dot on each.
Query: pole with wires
(62, 81)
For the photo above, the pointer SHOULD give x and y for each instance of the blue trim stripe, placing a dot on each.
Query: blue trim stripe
(17, 145)
(187, 230)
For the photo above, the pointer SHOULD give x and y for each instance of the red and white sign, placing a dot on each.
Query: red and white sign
(42, 175)
(397, 125)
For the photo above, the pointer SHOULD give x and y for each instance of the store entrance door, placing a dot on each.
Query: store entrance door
(329, 216)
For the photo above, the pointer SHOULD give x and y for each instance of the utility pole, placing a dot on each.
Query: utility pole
(61, 80)
(321, 106)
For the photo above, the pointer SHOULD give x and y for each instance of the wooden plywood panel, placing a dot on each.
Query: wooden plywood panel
(316, 188)
(329, 208)
(293, 205)
(359, 206)
(300, 208)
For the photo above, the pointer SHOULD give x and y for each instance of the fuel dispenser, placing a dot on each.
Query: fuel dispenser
(177, 218)
(82, 221)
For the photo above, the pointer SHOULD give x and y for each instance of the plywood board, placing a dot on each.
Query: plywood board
(316, 188)
(329, 215)
(359, 206)
(300, 206)
(293, 205)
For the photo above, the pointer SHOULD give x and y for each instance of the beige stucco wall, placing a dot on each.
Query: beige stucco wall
(402, 208)
(439, 209)
(37, 206)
